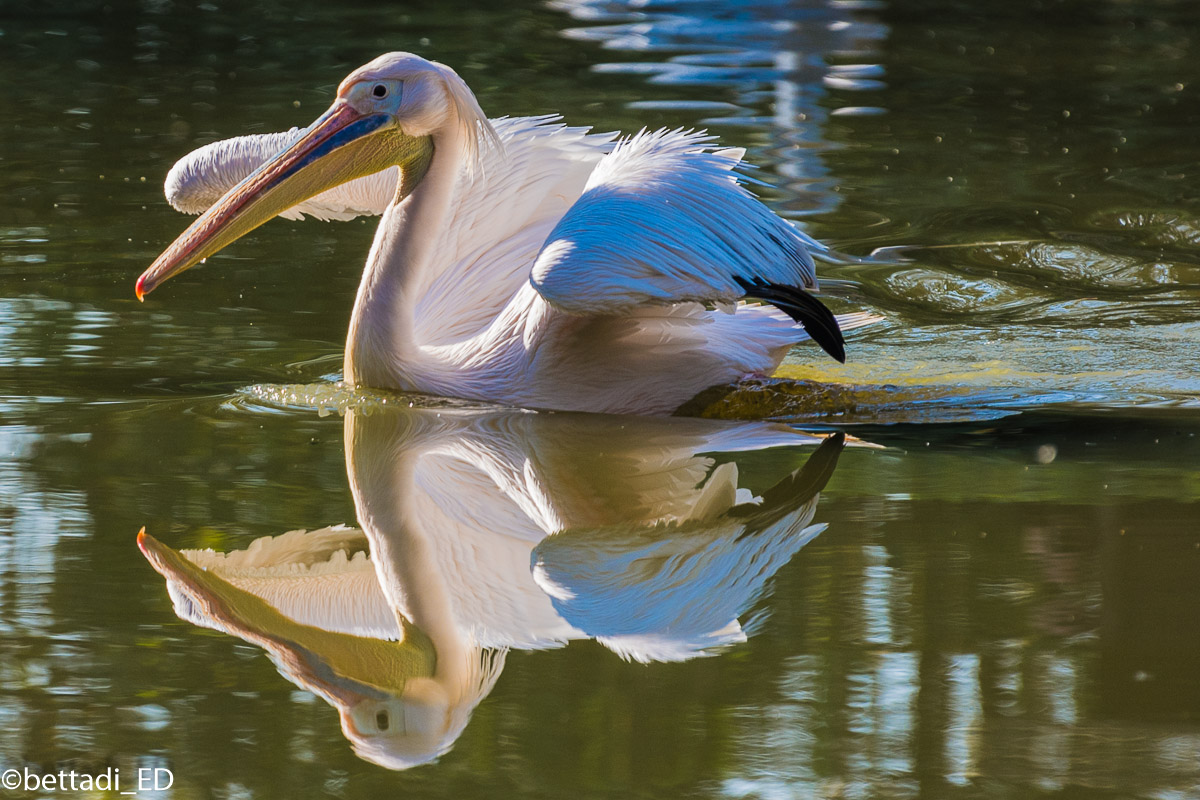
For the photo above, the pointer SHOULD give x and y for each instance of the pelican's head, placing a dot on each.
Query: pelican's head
(392, 111)
(404, 732)
(425, 721)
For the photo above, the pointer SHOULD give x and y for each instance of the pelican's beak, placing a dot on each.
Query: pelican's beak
(343, 144)
(341, 667)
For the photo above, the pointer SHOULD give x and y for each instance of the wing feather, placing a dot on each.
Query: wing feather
(201, 177)
(664, 219)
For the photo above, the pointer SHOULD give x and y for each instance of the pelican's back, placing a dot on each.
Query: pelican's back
(505, 206)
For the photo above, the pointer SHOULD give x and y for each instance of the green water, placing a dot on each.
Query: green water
(1005, 598)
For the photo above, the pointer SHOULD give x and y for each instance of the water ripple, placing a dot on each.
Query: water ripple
(335, 397)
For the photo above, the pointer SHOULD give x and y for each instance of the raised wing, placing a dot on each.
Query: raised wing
(664, 220)
(201, 177)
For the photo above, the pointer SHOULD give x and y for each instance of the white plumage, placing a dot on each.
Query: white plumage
(527, 262)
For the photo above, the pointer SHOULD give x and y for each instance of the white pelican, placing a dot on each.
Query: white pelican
(486, 532)
(519, 260)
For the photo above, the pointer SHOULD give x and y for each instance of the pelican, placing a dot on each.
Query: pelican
(519, 260)
(485, 531)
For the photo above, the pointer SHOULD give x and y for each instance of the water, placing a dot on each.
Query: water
(995, 594)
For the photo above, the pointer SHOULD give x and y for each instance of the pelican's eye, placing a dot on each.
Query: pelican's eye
(381, 719)
(379, 91)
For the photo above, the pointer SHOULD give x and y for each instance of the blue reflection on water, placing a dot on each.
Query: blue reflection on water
(779, 60)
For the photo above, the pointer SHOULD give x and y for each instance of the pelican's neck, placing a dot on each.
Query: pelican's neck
(381, 467)
(401, 265)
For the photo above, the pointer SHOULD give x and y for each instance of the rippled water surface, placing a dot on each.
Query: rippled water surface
(989, 588)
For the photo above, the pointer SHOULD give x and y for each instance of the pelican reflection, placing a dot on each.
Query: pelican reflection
(487, 531)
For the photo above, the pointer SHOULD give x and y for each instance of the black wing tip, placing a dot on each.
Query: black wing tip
(817, 320)
(807, 482)
(795, 489)
(836, 349)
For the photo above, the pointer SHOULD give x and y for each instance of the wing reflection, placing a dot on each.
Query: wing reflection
(483, 532)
